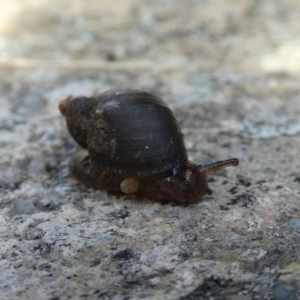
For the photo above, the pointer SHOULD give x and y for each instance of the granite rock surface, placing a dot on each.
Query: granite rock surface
(230, 73)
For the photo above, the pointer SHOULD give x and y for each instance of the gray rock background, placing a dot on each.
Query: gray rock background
(230, 70)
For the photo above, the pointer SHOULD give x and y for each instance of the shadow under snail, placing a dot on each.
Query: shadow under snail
(135, 146)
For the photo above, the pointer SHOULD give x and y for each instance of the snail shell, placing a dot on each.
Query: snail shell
(128, 132)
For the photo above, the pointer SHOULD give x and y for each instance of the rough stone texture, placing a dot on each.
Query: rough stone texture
(229, 71)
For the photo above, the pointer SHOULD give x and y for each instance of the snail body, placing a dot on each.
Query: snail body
(135, 146)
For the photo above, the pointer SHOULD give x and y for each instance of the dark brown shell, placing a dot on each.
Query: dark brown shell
(134, 133)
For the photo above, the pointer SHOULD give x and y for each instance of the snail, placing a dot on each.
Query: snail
(135, 146)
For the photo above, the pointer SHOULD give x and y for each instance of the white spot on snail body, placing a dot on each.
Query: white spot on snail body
(188, 175)
(146, 147)
(129, 185)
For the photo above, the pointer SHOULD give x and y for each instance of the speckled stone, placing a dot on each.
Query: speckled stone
(226, 72)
